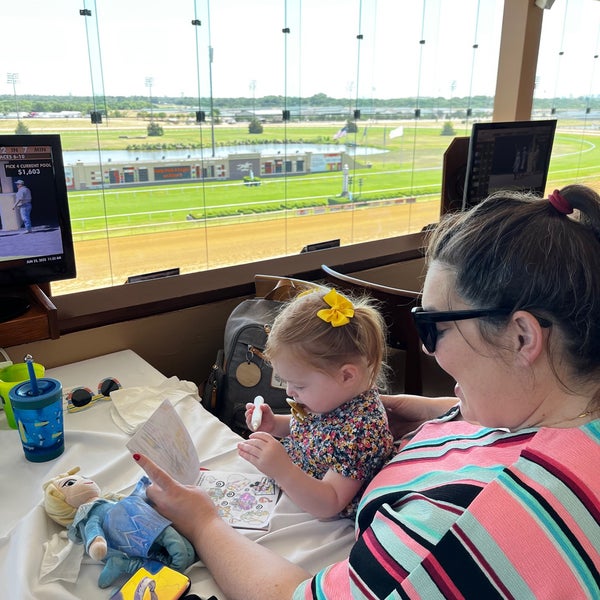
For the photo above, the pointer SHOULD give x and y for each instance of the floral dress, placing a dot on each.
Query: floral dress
(353, 440)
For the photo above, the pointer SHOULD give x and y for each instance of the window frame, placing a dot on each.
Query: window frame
(520, 38)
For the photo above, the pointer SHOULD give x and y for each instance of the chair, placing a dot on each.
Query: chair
(396, 305)
(276, 287)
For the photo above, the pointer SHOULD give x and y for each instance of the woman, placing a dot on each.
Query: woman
(503, 503)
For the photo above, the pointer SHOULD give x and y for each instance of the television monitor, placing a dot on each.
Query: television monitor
(45, 254)
(507, 156)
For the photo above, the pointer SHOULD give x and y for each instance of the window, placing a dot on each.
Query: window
(195, 130)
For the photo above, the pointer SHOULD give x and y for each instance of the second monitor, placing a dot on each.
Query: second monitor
(508, 156)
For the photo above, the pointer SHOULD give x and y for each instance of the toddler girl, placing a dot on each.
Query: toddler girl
(330, 352)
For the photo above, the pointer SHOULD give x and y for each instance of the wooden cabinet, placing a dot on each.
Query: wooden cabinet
(40, 322)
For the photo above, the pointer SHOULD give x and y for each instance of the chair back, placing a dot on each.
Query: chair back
(395, 306)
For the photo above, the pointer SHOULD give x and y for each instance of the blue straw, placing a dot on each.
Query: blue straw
(32, 378)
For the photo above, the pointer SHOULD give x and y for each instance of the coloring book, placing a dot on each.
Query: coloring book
(244, 500)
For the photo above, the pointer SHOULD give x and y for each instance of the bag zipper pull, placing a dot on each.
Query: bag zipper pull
(254, 350)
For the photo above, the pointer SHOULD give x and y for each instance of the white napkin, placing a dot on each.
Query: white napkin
(133, 406)
(62, 559)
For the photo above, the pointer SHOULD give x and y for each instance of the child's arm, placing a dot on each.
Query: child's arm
(322, 498)
(277, 425)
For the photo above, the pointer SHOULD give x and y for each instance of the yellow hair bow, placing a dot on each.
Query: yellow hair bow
(341, 310)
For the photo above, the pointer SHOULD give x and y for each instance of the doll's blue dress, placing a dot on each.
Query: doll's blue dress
(134, 532)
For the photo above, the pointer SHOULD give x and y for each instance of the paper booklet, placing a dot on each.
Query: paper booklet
(244, 500)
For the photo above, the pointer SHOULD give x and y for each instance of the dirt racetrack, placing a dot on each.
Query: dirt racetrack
(111, 260)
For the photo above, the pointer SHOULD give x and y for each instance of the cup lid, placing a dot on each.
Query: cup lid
(23, 396)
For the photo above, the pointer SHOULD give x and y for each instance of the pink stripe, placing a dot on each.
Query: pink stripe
(523, 542)
(335, 581)
(413, 464)
(563, 511)
(447, 506)
(574, 482)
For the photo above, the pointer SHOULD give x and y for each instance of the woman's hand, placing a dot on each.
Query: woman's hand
(243, 569)
(406, 412)
(188, 507)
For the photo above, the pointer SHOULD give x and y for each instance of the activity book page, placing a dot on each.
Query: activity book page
(244, 500)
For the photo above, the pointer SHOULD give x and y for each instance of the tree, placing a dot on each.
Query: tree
(448, 129)
(255, 126)
(22, 129)
(154, 129)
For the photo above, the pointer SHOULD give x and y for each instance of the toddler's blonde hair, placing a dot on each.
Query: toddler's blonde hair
(299, 330)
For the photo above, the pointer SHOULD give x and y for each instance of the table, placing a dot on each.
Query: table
(97, 445)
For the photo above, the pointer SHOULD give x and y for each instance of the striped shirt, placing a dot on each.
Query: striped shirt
(470, 512)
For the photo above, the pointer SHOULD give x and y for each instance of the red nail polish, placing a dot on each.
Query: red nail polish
(136, 456)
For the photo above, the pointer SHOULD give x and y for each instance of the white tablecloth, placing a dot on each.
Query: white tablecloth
(94, 443)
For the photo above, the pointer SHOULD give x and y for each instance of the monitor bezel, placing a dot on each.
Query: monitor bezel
(505, 128)
(27, 271)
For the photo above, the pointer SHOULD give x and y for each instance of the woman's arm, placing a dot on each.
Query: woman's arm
(406, 412)
(243, 569)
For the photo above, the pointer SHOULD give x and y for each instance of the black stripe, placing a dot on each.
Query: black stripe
(368, 567)
(462, 569)
(545, 505)
(371, 571)
(458, 494)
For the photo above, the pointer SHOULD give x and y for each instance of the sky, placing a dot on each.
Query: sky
(46, 44)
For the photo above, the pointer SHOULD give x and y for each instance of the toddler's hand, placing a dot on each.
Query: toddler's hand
(267, 421)
(266, 453)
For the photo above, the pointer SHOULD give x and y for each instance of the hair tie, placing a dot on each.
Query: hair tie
(560, 203)
(340, 312)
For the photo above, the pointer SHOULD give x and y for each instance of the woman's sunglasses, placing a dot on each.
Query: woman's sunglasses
(426, 321)
(81, 398)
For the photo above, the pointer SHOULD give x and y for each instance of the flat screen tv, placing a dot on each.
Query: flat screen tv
(508, 156)
(45, 253)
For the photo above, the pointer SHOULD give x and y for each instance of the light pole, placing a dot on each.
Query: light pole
(253, 90)
(452, 88)
(14, 78)
(210, 82)
(149, 82)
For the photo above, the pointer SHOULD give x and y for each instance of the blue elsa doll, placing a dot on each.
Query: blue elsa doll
(124, 532)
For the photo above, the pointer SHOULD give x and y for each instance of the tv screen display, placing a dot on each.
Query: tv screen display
(36, 243)
(508, 156)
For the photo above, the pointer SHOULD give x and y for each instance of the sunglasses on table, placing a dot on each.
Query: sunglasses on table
(80, 398)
